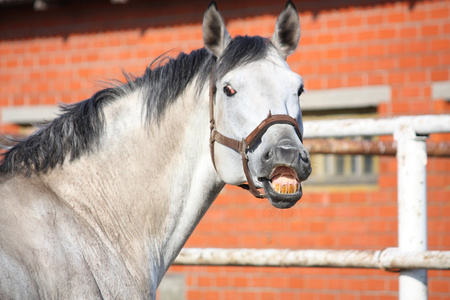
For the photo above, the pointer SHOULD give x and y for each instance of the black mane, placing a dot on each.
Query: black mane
(79, 127)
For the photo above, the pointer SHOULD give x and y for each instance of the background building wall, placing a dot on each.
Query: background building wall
(59, 55)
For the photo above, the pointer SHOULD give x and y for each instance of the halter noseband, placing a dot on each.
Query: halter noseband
(243, 146)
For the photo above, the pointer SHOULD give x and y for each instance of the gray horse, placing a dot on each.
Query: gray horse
(99, 202)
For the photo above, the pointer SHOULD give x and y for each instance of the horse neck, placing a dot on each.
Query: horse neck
(147, 187)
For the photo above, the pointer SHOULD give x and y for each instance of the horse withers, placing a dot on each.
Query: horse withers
(99, 202)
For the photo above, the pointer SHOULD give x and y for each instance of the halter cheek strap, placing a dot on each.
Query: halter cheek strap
(244, 145)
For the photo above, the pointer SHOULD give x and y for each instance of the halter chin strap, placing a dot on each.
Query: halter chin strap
(245, 144)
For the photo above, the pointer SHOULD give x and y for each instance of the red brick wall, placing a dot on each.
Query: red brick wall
(59, 56)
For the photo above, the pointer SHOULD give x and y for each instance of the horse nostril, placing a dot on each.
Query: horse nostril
(304, 158)
(267, 156)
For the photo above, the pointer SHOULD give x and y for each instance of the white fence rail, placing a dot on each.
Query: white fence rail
(411, 257)
(421, 125)
(391, 259)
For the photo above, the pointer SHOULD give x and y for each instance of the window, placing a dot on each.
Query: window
(332, 169)
(344, 103)
(338, 170)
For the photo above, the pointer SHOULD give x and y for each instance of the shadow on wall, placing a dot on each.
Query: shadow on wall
(19, 20)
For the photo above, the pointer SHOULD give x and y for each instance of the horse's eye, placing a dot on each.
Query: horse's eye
(228, 90)
(300, 90)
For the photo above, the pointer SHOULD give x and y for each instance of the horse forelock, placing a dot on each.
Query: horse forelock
(240, 51)
(78, 129)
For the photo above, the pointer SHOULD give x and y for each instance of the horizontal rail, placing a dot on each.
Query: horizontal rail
(387, 259)
(422, 125)
(364, 147)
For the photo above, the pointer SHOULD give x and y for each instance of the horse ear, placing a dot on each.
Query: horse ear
(215, 35)
(287, 30)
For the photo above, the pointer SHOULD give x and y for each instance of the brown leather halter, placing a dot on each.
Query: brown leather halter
(243, 146)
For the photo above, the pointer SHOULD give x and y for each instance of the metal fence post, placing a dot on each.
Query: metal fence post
(412, 208)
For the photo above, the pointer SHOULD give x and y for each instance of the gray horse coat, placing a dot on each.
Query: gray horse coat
(99, 202)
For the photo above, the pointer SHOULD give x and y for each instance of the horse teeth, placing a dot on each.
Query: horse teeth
(291, 189)
(286, 186)
(277, 188)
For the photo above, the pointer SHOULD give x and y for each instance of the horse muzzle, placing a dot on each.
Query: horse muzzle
(284, 167)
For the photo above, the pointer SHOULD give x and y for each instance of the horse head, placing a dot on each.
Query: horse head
(256, 121)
